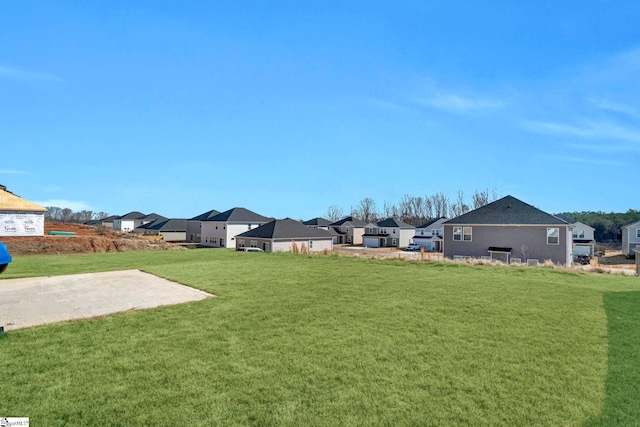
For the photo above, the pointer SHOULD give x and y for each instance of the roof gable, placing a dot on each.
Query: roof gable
(132, 215)
(507, 210)
(286, 229)
(432, 222)
(11, 202)
(354, 222)
(239, 215)
(320, 222)
(173, 224)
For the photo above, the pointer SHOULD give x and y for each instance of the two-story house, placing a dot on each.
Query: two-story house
(430, 234)
(194, 225)
(220, 231)
(509, 230)
(129, 222)
(630, 239)
(584, 240)
(390, 232)
(349, 230)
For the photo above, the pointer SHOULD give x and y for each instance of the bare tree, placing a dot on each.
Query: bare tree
(100, 215)
(334, 213)
(66, 215)
(459, 207)
(480, 198)
(390, 210)
(440, 203)
(366, 210)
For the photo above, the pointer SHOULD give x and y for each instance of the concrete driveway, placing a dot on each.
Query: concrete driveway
(40, 300)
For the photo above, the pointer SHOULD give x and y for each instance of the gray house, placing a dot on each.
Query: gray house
(630, 238)
(430, 234)
(509, 230)
(282, 234)
(349, 230)
(318, 223)
(194, 225)
(390, 232)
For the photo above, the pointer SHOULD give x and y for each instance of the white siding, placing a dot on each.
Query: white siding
(213, 231)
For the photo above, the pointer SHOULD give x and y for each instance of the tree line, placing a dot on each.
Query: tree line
(55, 213)
(415, 210)
(607, 225)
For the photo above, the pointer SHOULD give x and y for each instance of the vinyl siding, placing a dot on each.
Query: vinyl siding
(527, 242)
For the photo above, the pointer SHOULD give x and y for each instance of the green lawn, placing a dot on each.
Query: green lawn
(326, 340)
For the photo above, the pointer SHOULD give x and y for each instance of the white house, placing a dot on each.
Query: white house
(430, 234)
(285, 235)
(388, 232)
(630, 238)
(220, 231)
(129, 222)
(584, 241)
(349, 230)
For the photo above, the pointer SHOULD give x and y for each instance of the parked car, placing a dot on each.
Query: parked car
(5, 257)
(413, 247)
(250, 250)
(583, 259)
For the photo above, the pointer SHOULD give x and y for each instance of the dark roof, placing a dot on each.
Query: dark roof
(376, 235)
(427, 237)
(154, 217)
(428, 223)
(566, 218)
(507, 210)
(354, 221)
(205, 216)
(132, 215)
(499, 249)
(583, 241)
(173, 224)
(286, 229)
(320, 222)
(239, 215)
(393, 222)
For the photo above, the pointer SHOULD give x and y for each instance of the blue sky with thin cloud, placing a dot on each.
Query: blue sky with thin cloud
(288, 107)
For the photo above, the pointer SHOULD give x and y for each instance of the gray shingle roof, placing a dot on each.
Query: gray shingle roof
(154, 217)
(173, 224)
(393, 222)
(566, 218)
(132, 215)
(507, 210)
(354, 222)
(205, 216)
(239, 215)
(286, 229)
(428, 223)
(320, 222)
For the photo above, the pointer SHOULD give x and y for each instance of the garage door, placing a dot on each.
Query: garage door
(371, 242)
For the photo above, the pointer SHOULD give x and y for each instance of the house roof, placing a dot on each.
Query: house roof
(205, 216)
(566, 218)
(320, 222)
(429, 223)
(109, 218)
(11, 202)
(173, 224)
(507, 210)
(132, 215)
(286, 229)
(394, 222)
(355, 222)
(633, 224)
(239, 215)
(154, 217)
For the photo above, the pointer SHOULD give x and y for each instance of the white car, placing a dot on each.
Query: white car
(413, 247)
(250, 250)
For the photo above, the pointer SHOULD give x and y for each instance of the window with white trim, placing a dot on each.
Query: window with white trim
(578, 234)
(241, 243)
(422, 232)
(466, 234)
(393, 242)
(253, 243)
(553, 236)
(638, 233)
(457, 234)
(310, 244)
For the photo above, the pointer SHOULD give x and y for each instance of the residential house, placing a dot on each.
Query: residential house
(19, 217)
(148, 220)
(349, 230)
(584, 241)
(285, 235)
(103, 222)
(171, 230)
(430, 234)
(390, 232)
(220, 231)
(509, 230)
(194, 225)
(129, 222)
(630, 238)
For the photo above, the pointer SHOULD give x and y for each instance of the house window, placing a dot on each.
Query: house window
(249, 226)
(394, 231)
(457, 233)
(253, 243)
(371, 231)
(466, 235)
(393, 242)
(638, 233)
(578, 234)
(422, 232)
(310, 244)
(383, 231)
(241, 243)
(435, 232)
(553, 236)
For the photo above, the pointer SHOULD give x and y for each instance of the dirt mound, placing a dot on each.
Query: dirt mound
(87, 240)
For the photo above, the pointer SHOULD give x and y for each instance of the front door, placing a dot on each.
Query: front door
(265, 246)
(221, 242)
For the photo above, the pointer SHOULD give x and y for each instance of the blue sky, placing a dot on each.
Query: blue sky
(288, 107)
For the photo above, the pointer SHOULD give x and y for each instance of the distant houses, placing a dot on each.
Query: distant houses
(630, 239)
(430, 234)
(220, 231)
(390, 232)
(286, 235)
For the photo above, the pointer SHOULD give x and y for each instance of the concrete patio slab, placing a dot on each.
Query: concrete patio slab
(41, 300)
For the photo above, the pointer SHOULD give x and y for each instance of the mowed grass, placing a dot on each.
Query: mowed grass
(326, 340)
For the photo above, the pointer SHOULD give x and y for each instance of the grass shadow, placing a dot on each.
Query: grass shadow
(622, 387)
